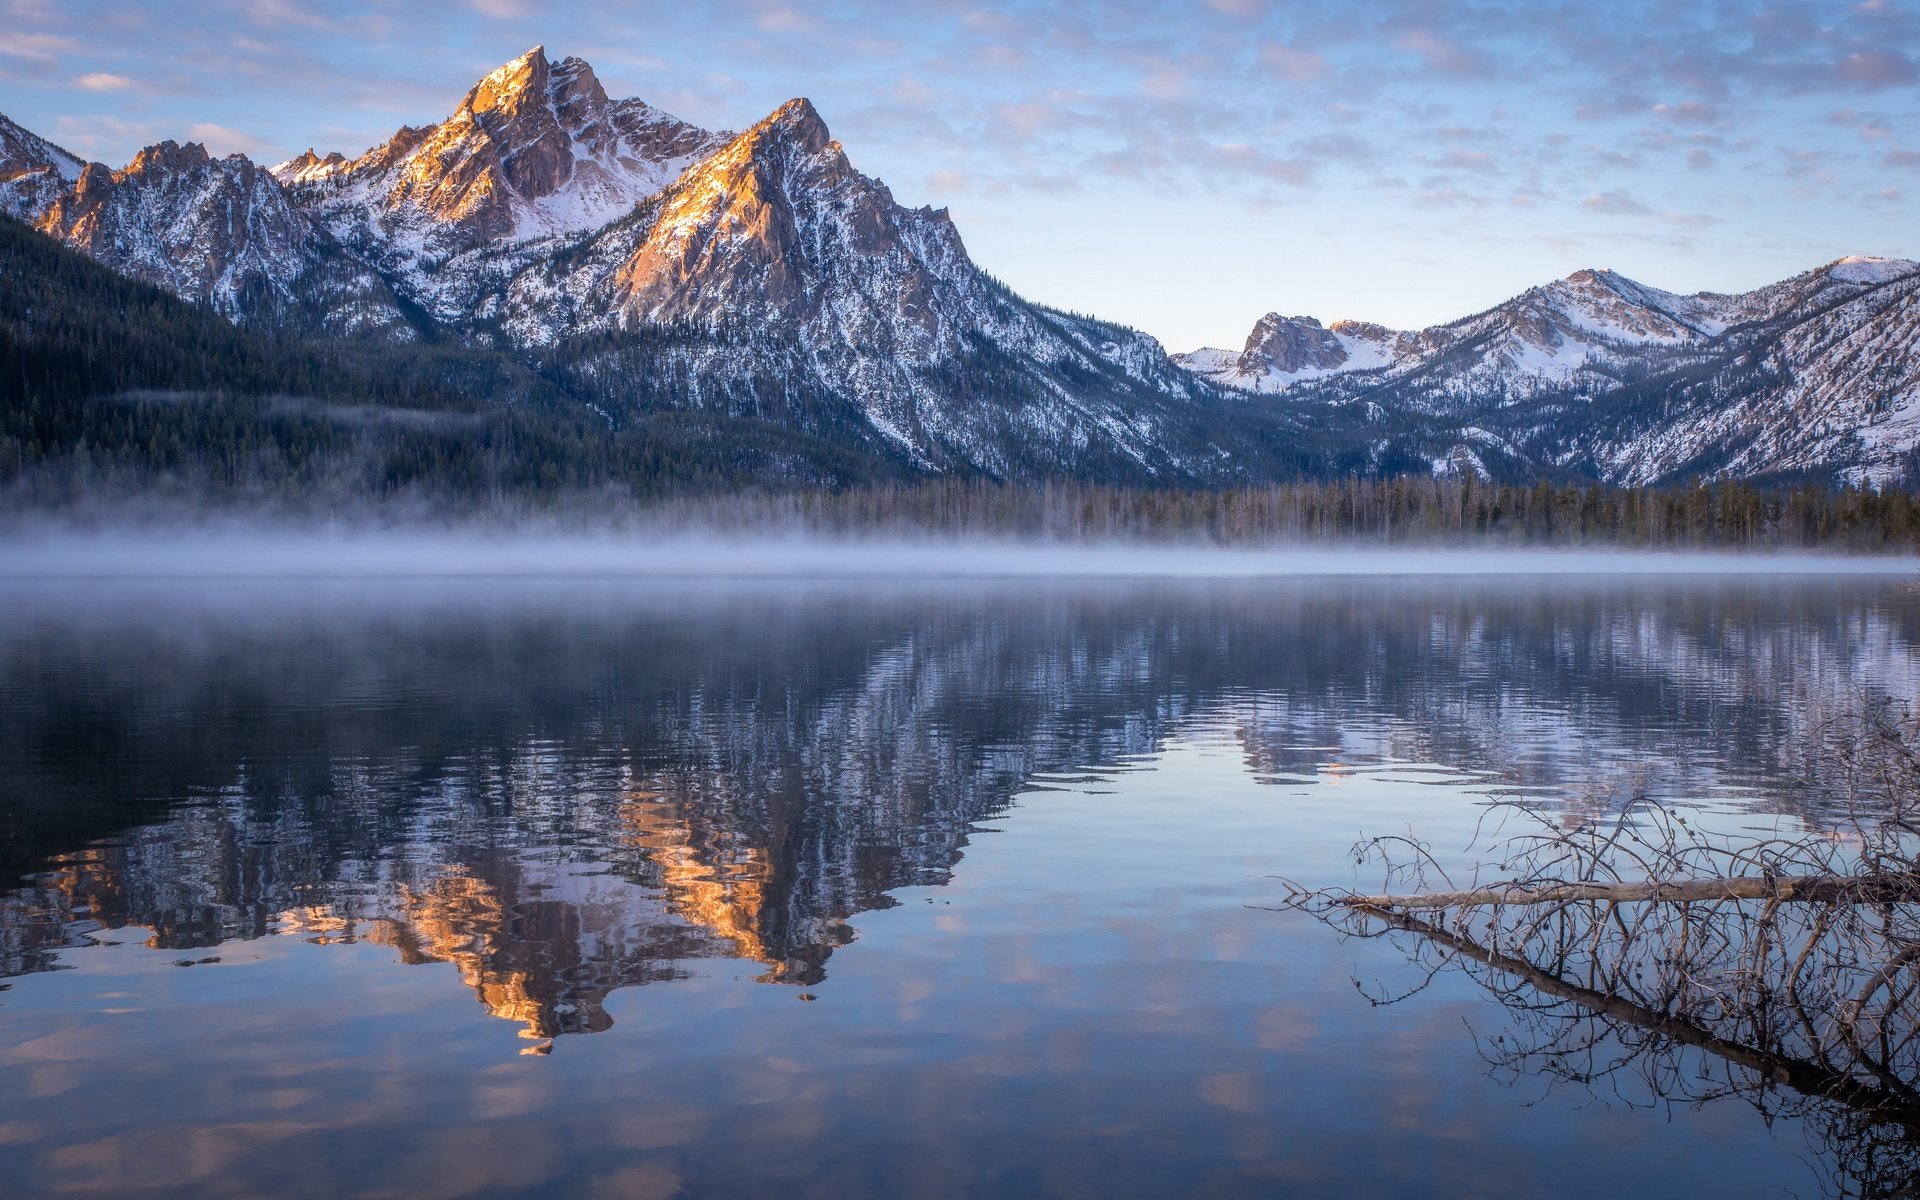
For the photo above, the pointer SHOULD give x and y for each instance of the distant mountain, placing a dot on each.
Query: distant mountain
(1600, 375)
(649, 270)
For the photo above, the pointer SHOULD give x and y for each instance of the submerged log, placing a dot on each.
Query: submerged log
(1896, 1101)
(1821, 889)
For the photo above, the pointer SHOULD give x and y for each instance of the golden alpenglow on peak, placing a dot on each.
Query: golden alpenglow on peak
(510, 81)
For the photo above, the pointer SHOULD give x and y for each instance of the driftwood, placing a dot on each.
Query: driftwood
(1894, 1100)
(1815, 889)
(1653, 959)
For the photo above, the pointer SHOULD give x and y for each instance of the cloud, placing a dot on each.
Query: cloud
(288, 12)
(782, 20)
(1245, 159)
(1876, 69)
(1165, 85)
(1441, 54)
(1615, 203)
(221, 140)
(1295, 65)
(36, 47)
(1689, 112)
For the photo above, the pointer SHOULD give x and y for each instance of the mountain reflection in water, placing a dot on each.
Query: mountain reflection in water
(565, 790)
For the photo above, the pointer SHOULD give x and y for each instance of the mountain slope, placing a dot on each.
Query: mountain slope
(220, 232)
(33, 171)
(779, 268)
(1829, 383)
(657, 276)
(535, 151)
(1601, 376)
(115, 388)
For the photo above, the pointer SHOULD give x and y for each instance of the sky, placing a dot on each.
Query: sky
(1181, 168)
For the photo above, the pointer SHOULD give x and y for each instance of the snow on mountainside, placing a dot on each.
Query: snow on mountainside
(1604, 376)
(534, 152)
(220, 232)
(1832, 382)
(646, 265)
(1546, 336)
(1282, 351)
(757, 276)
(33, 171)
(775, 246)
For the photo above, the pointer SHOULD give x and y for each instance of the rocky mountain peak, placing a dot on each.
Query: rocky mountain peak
(578, 98)
(511, 86)
(33, 171)
(22, 153)
(1292, 344)
(798, 123)
(169, 156)
(534, 150)
(308, 167)
(1362, 330)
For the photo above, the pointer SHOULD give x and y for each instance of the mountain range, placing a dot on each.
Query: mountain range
(646, 269)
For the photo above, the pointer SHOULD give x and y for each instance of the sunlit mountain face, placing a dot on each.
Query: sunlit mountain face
(567, 792)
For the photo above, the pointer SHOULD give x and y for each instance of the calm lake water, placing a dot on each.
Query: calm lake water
(655, 888)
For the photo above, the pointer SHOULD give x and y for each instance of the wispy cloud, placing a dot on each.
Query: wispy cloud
(102, 81)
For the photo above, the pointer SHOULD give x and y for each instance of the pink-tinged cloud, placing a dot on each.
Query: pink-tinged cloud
(101, 81)
(1290, 63)
(1877, 69)
(1439, 53)
(1615, 203)
(222, 140)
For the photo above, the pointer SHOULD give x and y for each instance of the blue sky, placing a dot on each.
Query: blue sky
(1180, 167)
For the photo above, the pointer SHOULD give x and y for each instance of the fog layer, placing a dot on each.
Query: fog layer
(267, 552)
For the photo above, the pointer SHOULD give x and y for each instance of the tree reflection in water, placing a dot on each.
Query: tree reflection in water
(1653, 962)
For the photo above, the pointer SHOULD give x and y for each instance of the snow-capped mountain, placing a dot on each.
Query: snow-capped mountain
(220, 232)
(656, 265)
(1609, 377)
(843, 291)
(1545, 337)
(535, 152)
(1822, 372)
(33, 171)
(646, 265)
(1282, 351)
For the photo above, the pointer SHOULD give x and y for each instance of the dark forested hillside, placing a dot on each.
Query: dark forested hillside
(111, 388)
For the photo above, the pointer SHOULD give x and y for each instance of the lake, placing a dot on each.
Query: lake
(662, 887)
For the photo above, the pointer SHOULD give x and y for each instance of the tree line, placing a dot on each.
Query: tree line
(1398, 511)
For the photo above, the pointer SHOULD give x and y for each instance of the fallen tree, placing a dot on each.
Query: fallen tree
(1633, 950)
(1805, 889)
